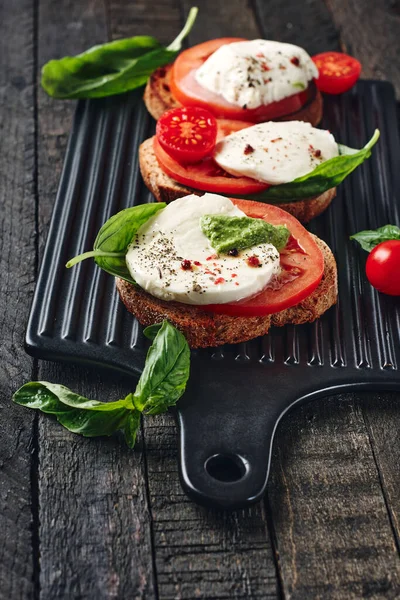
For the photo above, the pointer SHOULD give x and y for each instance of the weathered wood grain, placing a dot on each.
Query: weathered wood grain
(202, 553)
(330, 518)
(94, 517)
(217, 18)
(382, 416)
(370, 31)
(160, 19)
(17, 268)
(307, 24)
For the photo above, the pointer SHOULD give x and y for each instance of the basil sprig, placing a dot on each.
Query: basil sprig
(162, 383)
(113, 239)
(370, 238)
(324, 177)
(112, 68)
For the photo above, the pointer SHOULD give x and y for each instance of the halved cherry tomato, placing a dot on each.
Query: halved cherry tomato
(383, 267)
(188, 92)
(187, 134)
(302, 267)
(338, 72)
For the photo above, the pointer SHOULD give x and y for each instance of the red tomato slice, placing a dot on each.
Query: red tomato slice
(383, 267)
(188, 92)
(206, 175)
(302, 265)
(188, 134)
(338, 72)
(227, 126)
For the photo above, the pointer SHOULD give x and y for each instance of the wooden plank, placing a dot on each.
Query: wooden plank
(307, 24)
(382, 416)
(17, 268)
(331, 523)
(161, 19)
(370, 31)
(198, 553)
(217, 18)
(94, 517)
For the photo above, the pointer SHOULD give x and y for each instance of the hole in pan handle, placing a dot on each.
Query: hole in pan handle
(226, 420)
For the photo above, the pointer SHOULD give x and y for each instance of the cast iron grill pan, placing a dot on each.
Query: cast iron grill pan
(237, 394)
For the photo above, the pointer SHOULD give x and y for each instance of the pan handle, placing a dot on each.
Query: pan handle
(227, 422)
(228, 416)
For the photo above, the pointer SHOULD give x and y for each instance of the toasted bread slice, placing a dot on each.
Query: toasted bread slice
(166, 189)
(159, 98)
(203, 329)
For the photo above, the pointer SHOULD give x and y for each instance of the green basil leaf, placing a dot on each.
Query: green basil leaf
(151, 331)
(162, 383)
(324, 177)
(112, 68)
(113, 239)
(165, 373)
(116, 235)
(370, 238)
(131, 428)
(77, 414)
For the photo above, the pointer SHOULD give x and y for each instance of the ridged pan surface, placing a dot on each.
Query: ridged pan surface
(237, 394)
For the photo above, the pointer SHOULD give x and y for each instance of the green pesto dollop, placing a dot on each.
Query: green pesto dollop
(228, 233)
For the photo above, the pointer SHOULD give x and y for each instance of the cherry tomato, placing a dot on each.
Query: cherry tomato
(338, 72)
(187, 134)
(188, 92)
(383, 267)
(302, 265)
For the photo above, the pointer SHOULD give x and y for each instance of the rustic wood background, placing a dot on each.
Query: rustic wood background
(90, 519)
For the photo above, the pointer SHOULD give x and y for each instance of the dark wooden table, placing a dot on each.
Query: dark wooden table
(86, 518)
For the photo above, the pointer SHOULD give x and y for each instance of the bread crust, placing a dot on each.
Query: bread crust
(159, 98)
(203, 329)
(165, 189)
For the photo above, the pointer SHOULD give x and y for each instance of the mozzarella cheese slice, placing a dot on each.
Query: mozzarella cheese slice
(275, 153)
(251, 74)
(172, 259)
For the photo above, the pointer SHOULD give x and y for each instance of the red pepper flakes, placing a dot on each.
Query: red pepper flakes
(186, 265)
(219, 280)
(253, 261)
(295, 61)
(197, 263)
(234, 274)
(248, 149)
(212, 257)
